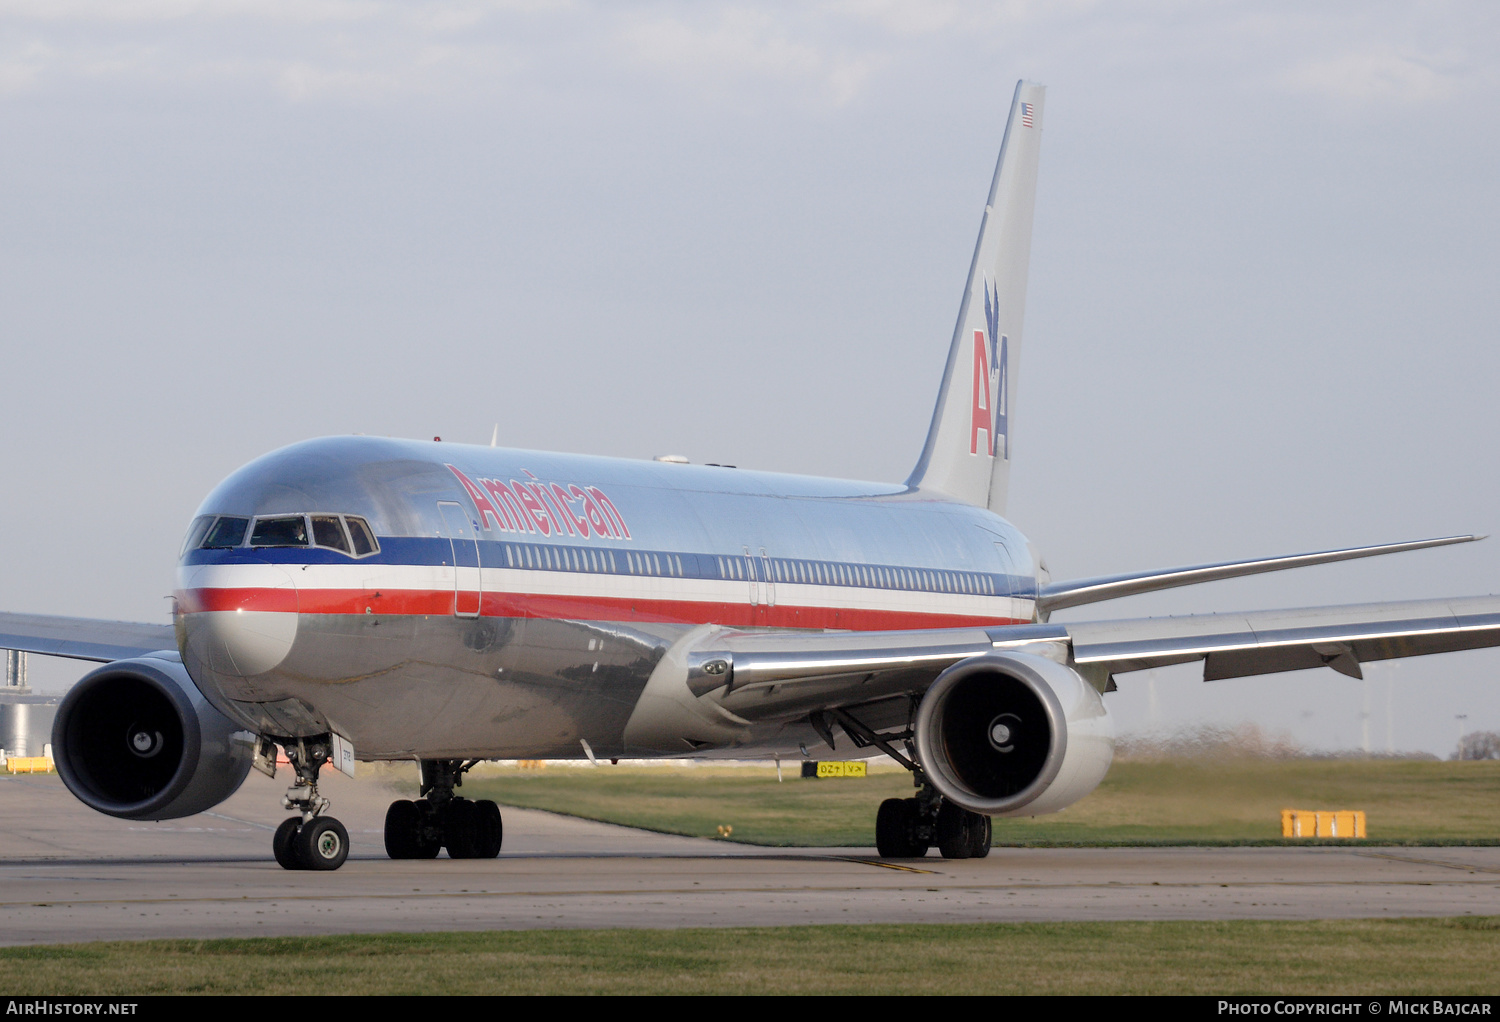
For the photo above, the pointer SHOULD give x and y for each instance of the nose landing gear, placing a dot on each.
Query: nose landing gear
(441, 819)
(310, 840)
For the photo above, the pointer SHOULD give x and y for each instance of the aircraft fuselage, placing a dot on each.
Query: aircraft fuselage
(515, 602)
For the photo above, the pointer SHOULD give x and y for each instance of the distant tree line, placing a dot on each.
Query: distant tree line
(1478, 745)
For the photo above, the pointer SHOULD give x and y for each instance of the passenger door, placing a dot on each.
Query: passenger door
(467, 583)
(753, 577)
(762, 584)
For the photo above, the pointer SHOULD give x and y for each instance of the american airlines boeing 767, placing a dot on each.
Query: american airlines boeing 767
(359, 598)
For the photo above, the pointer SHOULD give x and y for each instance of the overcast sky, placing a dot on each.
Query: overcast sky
(1263, 309)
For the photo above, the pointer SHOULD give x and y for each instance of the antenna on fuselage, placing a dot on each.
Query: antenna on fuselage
(495, 436)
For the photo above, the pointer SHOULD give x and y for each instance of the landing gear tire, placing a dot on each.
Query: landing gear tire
(459, 832)
(284, 843)
(489, 830)
(953, 831)
(402, 821)
(979, 837)
(322, 843)
(962, 834)
(410, 831)
(894, 823)
(429, 831)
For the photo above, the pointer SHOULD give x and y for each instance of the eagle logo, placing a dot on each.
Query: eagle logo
(999, 363)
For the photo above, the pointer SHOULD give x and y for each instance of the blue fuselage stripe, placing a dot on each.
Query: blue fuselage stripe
(657, 563)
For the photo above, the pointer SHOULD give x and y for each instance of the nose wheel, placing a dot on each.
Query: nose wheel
(310, 840)
(321, 843)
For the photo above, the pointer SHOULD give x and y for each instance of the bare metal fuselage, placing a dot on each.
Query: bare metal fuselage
(519, 602)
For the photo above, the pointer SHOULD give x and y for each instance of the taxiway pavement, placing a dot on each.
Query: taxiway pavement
(70, 874)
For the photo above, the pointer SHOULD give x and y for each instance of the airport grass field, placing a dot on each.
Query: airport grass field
(1201, 800)
(1364, 957)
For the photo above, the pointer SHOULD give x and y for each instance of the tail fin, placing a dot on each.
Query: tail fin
(968, 448)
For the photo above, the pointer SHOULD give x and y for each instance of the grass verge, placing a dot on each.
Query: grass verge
(1367, 957)
(1188, 801)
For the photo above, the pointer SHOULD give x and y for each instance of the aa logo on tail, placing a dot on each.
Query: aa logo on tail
(988, 410)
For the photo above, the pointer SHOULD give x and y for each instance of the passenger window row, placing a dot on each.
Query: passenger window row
(546, 557)
(869, 576)
(539, 556)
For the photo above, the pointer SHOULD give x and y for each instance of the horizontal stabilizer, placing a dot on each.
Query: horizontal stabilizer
(1076, 593)
(83, 638)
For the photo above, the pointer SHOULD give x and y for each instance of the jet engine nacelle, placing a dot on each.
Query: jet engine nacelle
(136, 739)
(1013, 734)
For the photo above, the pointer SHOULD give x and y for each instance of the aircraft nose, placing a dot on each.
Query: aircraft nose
(238, 619)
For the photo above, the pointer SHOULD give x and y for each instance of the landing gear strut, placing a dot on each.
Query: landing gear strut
(906, 827)
(310, 840)
(440, 819)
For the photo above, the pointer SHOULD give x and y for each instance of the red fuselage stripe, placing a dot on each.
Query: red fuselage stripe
(277, 601)
(439, 602)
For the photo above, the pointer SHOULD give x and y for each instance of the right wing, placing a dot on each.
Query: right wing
(1269, 641)
(83, 638)
(766, 676)
(1077, 592)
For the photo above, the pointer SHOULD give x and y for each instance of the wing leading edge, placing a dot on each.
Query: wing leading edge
(82, 638)
(1270, 641)
(771, 675)
(1077, 592)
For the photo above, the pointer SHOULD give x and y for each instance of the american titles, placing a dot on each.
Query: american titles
(548, 509)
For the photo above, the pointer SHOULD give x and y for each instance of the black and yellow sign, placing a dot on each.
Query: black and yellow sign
(834, 768)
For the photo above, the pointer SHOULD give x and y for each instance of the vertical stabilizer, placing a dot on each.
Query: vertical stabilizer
(968, 448)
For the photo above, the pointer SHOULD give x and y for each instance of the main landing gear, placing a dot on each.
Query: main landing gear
(440, 819)
(310, 840)
(905, 828)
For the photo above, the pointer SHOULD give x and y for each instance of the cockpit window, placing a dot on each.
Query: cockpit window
(226, 532)
(327, 531)
(290, 530)
(364, 539)
(332, 532)
(196, 532)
